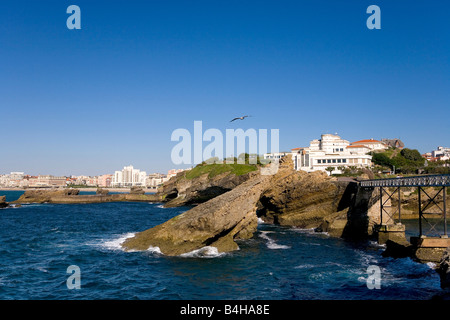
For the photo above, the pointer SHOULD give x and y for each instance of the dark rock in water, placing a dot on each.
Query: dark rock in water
(398, 248)
(3, 203)
(444, 269)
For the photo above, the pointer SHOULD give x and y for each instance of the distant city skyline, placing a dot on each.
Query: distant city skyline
(93, 100)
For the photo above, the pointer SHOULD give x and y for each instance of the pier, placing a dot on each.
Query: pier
(433, 238)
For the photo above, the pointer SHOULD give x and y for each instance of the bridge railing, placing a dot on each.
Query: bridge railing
(437, 180)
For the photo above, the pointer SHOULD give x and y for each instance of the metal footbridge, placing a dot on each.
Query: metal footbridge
(440, 180)
(435, 201)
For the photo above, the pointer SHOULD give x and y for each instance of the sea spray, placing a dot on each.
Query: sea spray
(116, 244)
(271, 244)
(154, 250)
(205, 252)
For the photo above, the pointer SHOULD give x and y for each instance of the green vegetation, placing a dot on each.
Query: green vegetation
(437, 167)
(407, 161)
(216, 169)
(213, 169)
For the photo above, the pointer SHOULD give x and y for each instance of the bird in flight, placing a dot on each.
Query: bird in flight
(239, 118)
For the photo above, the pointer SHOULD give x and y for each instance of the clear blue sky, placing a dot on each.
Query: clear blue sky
(91, 101)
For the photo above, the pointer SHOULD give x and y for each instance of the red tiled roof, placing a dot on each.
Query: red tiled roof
(356, 146)
(366, 141)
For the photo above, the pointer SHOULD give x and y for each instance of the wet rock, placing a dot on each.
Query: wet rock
(444, 269)
(3, 203)
(398, 248)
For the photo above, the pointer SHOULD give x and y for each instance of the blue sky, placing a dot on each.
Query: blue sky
(91, 101)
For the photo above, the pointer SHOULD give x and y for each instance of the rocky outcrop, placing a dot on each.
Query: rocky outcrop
(3, 203)
(304, 200)
(101, 191)
(71, 196)
(398, 248)
(137, 190)
(444, 269)
(289, 197)
(180, 191)
(217, 223)
(43, 196)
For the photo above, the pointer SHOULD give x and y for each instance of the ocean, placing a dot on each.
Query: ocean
(39, 242)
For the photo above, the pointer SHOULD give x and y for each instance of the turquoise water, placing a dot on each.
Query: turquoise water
(39, 243)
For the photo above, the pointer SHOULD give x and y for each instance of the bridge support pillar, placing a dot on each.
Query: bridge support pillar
(393, 232)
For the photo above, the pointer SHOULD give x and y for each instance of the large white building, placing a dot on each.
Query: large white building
(331, 151)
(129, 177)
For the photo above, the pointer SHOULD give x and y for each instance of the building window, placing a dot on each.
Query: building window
(329, 161)
(319, 161)
(334, 160)
(344, 160)
(339, 160)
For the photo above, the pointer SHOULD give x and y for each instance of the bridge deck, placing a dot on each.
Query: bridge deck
(416, 181)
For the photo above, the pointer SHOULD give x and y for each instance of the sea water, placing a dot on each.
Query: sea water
(38, 242)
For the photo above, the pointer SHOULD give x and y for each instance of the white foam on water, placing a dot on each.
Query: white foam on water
(271, 244)
(375, 244)
(306, 266)
(205, 252)
(153, 249)
(300, 230)
(431, 265)
(260, 221)
(160, 206)
(116, 244)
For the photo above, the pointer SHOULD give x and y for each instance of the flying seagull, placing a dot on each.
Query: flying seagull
(239, 118)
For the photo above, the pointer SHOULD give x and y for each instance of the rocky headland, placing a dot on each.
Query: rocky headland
(288, 197)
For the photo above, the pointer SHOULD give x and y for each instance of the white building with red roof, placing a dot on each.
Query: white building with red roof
(331, 151)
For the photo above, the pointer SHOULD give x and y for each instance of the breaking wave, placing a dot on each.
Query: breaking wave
(116, 244)
(271, 244)
(205, 252)
(154, 250)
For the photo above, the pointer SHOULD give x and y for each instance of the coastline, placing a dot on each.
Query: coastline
(94, 189)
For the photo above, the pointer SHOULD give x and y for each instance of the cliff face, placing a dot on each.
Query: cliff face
(297, 198)
(289, 197)
(180, 191)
